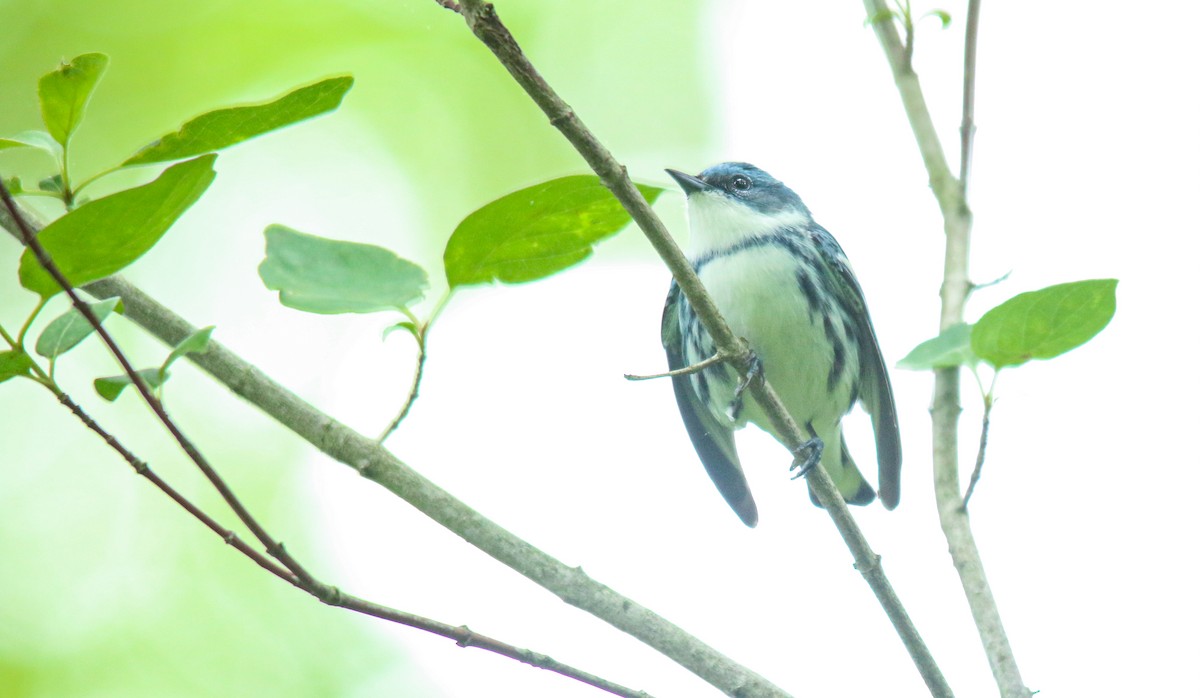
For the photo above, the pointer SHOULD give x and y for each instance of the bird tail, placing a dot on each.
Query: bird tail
(845, 474)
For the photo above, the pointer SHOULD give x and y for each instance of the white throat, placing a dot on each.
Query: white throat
(717, 222)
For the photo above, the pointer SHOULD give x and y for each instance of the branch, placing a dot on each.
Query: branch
(379, 465)
(13, 220)
(28, 236)
(951, 198)
(685, 371)
(414, 390)
(967, 130)
(462, 635)
(981, 454)
(485, 24)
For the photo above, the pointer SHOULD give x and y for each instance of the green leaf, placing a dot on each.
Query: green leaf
(194, 343)
(111, 387)
(65, 91)
(69, 329)
(406, 326)
(940, 14)
(1043, 324)
(947, 350)
(13, 185)
(34, 139)
(320, 275)
(104, 236)
(535, 232)
(15, 363)
(222, 128)
(52, 184)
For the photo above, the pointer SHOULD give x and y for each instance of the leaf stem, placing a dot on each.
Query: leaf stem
(93, 178)
(979, 456)
(12, 343)
(421, 335)
(29, 320)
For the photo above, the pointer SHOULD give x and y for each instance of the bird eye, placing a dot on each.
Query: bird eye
(741, 183)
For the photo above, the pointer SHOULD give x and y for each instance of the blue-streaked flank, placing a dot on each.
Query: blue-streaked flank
(784, 284)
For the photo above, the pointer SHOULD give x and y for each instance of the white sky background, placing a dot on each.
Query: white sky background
(1085, 168)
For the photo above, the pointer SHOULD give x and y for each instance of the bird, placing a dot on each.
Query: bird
(783, 284)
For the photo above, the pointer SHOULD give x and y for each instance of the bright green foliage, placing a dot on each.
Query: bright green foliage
(222, 128)
(535, 232)
(320, 275)
(1043, 324)
(69, 329)
(34, 139)
(104, 236)
(947, 350)
(14, 363)
(111, 387)
(194, 343)
(941, 15)
(65, 91)
(52, 184)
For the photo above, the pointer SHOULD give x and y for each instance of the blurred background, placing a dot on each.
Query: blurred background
(1085, 168)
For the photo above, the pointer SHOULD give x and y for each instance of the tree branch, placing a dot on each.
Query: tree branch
(379, 465)
(28, 236)
(485, 24)
(951, 197)
(13, 220)
(982, 453)
(462, 635)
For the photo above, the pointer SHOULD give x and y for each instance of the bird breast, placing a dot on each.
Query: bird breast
(804, 343)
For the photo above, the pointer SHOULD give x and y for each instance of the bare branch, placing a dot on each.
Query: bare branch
(12, 219)
(979, 456)
(485, 24)
(686, 370)
(379, 465)
(951, 197)
(28, 236)
(462, 635)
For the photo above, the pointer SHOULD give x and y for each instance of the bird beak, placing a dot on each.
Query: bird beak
(688, 183)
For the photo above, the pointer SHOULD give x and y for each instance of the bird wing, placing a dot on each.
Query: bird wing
(712, 439)
(875, 388)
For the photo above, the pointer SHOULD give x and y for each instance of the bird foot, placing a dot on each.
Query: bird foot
(807, 454)
(753, 372)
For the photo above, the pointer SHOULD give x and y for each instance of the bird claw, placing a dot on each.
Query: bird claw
(753, 372)
(807, 454)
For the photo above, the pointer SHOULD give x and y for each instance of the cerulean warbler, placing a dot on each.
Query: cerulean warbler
(785, 286)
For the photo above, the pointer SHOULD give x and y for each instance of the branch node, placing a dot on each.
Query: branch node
(558, 120)
(466, 636)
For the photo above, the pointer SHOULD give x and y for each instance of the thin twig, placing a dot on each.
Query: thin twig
(379, 465)
(462, 635)
(956, 285)
(485, 24)
(686, 370)
(414, 390)
(142, 468)
(421, 334)
(274, 548)
(979, 456)
(376, 463)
